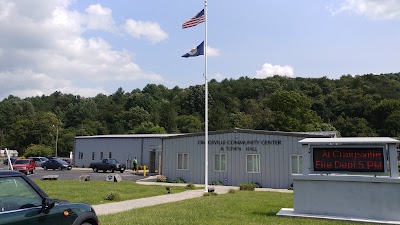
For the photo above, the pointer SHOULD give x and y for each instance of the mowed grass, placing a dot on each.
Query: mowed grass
(94, 192)
(242, 207)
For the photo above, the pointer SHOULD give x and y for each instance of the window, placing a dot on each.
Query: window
(296, 164)
(101, 155)
(253, 163)
(93, 155)
(220, 162)
(80, 155)
(183, 161)
(109, 155)
(17, 193)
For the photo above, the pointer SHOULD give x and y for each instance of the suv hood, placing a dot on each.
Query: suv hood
(20, 165)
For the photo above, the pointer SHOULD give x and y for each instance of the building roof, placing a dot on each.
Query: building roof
(320, 134)
(128, 136)
(351, 140)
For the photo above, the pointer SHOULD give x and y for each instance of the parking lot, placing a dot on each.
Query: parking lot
(76, 172)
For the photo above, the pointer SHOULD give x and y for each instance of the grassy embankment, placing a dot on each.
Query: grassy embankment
(242, 207)
(95, 192)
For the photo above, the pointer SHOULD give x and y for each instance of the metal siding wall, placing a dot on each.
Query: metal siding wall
(274, 159)
(148, 145)
(198, 169)
(122, 149)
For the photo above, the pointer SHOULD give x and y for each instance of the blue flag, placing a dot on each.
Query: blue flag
(195, 51)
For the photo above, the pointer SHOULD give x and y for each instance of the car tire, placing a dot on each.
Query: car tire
(112, 169)
(45, 167)
(86, 223)
(60, 168)
(32, 172)
(95, 169)
(121, 171)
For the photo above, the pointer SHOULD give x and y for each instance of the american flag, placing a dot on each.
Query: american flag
(199, 18)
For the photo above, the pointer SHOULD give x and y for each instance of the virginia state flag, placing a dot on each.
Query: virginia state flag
(195, 51)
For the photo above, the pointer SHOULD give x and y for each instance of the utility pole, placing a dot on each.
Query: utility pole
(56, 138)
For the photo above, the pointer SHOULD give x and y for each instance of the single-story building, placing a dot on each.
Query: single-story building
(124, 148)
(236, 156)
(12, 153)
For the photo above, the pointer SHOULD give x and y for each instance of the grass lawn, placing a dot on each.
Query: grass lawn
(94, 192)
(242, 207)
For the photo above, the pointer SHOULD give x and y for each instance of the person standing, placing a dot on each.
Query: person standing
(135, 164)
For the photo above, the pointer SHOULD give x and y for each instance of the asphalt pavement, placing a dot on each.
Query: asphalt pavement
(75, 172)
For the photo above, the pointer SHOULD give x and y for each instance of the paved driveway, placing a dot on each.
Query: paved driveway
(76, 172)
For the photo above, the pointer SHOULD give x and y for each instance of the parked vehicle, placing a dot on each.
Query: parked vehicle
(23, 202)
(25, 166)
(67, 160)
(39, 160)
(5, 161)
(108, 164)
(56, 163)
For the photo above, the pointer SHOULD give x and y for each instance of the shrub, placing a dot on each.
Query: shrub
(161, 178)
(231, 191)
(190, 186)
(217, 182)
(247, 187)
(38, 150)
(210, 194)
(256, 185)
(112, 196)
(178, 180)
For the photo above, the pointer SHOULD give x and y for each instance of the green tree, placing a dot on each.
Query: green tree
(189, 124)
(134, 117)
(292, 111)
(148, 128)
(168, 116)
(354, 127)
(39, 128)
(38, 150)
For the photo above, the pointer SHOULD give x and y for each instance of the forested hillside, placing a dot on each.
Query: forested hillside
(367, 105)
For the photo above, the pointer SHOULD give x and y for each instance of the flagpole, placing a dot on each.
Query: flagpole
(206, 100)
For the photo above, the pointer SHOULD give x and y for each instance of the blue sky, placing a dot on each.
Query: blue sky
(90, 47)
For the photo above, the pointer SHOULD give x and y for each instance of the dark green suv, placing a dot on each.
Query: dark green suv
(22, 202)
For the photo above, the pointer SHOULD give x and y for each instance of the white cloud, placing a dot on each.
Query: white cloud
(269, 70)
(149, 30)
(375, 9)
(42, 50)
(218, 77)
(99, 18)
(212, 51)
(25, 83)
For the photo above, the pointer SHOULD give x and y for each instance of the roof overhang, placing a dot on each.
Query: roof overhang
(350, 140)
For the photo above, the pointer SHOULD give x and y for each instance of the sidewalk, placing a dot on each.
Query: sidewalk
(117, 207)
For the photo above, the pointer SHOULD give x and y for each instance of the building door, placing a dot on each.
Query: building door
(152, 168)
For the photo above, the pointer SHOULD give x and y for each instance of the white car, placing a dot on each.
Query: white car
(39, 160)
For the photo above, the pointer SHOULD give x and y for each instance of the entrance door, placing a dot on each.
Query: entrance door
(152, 168)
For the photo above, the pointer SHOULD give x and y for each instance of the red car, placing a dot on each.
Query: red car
(24, 166)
